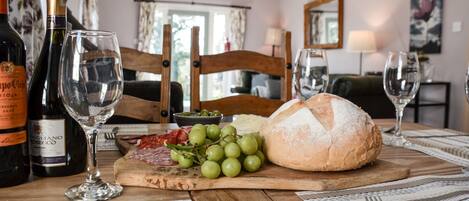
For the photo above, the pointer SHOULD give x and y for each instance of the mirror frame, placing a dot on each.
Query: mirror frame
(307, 24)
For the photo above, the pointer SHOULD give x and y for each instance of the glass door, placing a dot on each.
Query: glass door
(182, 23)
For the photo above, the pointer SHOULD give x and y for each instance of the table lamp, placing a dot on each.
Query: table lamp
(361, 41)
(273, 37)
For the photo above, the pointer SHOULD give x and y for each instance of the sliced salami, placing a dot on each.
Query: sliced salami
(159, 156)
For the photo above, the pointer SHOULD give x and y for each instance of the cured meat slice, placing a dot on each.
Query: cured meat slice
(159, 156)
(178, 136)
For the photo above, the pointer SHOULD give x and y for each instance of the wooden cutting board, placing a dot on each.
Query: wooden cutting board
(130, 172)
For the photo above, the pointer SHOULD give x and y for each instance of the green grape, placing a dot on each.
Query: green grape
(223, 143)
(208, 141)
(204, 114)
(213, 132)
(232, 150)
(197, 136)
(252, 163)
(258, 139)
(199, 126)
(228, 130)
(226, 140)
(174, 155)
(261, 156)
(231, 167)
(248, 144)
(185, 162)
(215, 153)
(210, 169)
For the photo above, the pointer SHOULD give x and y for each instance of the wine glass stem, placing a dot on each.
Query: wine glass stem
(93, 174)
(399, 114)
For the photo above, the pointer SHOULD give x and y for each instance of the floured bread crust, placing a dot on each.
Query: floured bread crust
(324, 133)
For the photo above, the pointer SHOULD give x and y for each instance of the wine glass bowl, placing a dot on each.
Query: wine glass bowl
(90, 85)
(310, 73)
(401, 82)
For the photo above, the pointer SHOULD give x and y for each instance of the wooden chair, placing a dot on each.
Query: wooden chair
(240, 60)
(135, 60)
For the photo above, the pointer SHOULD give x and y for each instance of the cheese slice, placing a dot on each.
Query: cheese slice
(248, 123)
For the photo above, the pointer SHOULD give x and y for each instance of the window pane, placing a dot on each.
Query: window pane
(182, 22)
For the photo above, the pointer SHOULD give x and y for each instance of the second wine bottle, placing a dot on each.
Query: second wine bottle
(57, 144)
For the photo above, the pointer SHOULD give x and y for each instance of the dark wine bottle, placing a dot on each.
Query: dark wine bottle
(58, 146)
(14, 156)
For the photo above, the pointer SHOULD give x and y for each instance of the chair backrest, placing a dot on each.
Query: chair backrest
(135, 60)
(239, 60)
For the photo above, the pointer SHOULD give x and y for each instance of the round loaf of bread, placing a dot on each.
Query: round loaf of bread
(324, 133)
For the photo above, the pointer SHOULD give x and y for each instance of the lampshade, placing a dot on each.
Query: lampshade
(361, 41)
(273, 36)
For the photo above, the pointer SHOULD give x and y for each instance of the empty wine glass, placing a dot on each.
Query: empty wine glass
(401, 83)
(90, 85)
(310, 73)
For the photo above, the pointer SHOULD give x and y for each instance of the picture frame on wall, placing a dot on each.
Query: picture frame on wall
(426, 24)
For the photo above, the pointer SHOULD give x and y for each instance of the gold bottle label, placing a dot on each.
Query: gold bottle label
(56, 7)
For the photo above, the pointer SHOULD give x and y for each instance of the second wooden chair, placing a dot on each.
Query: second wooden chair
(240, 60)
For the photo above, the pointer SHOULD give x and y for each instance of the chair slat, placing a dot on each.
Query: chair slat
(166, 75)
(135, 60)
(242, 60)
(287, 79)
(245, 104)
(137, 108)
(195, 70)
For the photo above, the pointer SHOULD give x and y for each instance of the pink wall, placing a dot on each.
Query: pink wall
(121, 16)
(390, 20)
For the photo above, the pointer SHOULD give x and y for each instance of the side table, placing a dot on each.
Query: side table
(418, 103)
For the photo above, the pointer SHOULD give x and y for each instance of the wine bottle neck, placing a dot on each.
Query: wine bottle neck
(56, 22)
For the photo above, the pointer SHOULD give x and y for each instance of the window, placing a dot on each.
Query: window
(213, 23)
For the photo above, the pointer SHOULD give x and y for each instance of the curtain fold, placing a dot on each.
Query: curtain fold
(237, 28)
(147, 22)
(237, 33)
(88, 14)
(26, 17)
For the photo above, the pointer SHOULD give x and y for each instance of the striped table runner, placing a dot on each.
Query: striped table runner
(448, 145)
(452, 187)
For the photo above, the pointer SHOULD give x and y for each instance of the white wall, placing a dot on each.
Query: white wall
(121, 16)
(390, 20)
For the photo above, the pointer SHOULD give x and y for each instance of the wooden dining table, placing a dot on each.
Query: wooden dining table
(53, 188)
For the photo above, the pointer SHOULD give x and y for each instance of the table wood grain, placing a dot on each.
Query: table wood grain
(54, 188)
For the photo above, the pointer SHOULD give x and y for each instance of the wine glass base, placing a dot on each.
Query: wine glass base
(396, 141)
(93, 191)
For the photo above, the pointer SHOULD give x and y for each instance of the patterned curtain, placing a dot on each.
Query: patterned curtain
(237, 28)
(147, 21)
(88, 14)
(26, 17)
(237, 33)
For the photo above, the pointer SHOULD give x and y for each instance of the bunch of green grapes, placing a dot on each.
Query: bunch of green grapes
(220, 151)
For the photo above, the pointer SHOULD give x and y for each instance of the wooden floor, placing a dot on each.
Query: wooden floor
(53, 188)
